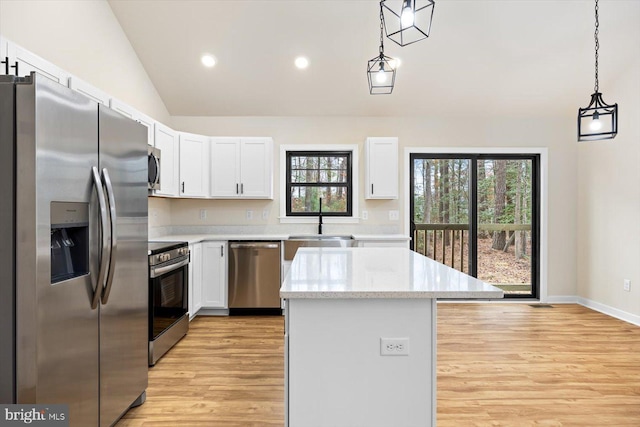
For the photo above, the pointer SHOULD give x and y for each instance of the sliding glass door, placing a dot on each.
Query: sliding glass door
(479, 213)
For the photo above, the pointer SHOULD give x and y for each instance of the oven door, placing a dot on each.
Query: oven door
(154, 168)
(168, 295)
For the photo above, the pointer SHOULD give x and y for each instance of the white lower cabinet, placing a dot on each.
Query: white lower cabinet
(214, 275)
(195, 280)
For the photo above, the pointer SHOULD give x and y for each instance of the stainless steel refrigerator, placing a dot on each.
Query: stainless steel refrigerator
(73, 257)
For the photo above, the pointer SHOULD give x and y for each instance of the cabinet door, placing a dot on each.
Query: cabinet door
(256, 168)
(194, 165)
(225, 167)
(166, 139)
(195, 279)
(214, 275)
(89, 91)
(27, 62)
(381, 168)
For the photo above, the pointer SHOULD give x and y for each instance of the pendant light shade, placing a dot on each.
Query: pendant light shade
(598, 120)
(381, 70)
(407, 21)
(382, 76)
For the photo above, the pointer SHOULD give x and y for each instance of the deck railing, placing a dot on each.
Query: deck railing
(447, 242)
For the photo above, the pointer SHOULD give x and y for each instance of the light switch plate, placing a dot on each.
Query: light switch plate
(394, 215)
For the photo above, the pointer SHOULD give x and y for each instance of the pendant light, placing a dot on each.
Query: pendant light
(407, 21)
(598, 120)
(381, 73)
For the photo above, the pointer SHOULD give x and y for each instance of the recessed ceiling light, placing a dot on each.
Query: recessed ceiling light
(302, 62)
(208, 60)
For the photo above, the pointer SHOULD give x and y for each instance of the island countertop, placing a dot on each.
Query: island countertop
(396, 273)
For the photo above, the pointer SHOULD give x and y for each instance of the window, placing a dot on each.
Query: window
(315, 175)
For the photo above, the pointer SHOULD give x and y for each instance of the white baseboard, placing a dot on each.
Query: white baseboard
(566, 299)
(610, 311)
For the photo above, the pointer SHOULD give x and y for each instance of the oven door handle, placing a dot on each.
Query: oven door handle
(114, 233)
(104, 224)
(159, 271)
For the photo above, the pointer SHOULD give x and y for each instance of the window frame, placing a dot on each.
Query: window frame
(348, 184)
(312, 218)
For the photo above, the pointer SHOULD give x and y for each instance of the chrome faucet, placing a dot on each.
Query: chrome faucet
(320, 218)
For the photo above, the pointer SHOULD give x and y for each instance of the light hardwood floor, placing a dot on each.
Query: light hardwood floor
(498, 365)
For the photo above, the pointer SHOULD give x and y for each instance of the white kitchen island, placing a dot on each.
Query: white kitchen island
(345, 307)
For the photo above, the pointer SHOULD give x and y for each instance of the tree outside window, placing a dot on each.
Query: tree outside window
(315, 175)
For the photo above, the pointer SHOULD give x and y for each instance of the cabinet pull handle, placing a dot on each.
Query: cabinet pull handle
(183, 186)
(6, 65)
(237, 191)
(241, 188)
(15, 65)
(371, 188)
(221, 251)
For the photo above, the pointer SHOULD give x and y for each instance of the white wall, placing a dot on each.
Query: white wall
(556, 134)
(85, 39)
(609, 204)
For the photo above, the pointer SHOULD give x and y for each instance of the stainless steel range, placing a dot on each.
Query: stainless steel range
(168, 296)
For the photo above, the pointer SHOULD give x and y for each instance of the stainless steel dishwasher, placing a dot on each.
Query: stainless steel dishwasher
(254, 276)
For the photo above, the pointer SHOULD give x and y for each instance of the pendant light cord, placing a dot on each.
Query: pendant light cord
(595, 36)
(381, 32)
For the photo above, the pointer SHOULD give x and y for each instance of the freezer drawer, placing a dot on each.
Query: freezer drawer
(254, 275)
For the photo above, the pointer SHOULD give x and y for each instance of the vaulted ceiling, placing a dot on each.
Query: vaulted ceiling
(484, 57)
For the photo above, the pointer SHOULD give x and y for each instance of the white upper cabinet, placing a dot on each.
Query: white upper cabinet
(242, 168)
(89, 91)
(381, 168)
(225, 167)
(194, 165)
(21, 62)
(166, 139)
(256, 168)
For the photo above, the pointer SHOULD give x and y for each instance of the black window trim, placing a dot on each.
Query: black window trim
(348, 185)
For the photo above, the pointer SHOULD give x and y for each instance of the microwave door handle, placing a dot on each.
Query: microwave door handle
(104, 225)
(156, 179)
(114, 239)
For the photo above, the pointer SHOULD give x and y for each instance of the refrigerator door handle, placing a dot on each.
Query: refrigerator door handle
(114, 240)
(97, 289)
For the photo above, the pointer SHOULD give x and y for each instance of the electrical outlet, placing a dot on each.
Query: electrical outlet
(203, 214)
(365, 215)
(627, 285)
(249, 214)
(265, 214)
(394, 346)
(394, 215)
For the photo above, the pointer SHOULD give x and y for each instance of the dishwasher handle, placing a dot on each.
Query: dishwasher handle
(254, 245)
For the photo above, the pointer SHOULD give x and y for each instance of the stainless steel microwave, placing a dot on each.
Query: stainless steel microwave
(154, 168)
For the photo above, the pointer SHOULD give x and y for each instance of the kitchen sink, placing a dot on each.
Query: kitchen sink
(320, 237)
(315, 241)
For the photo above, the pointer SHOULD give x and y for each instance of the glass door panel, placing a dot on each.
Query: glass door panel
(440, 210)
(505, 214)
(478, 213)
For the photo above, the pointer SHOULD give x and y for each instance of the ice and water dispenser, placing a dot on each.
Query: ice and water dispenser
(69, 240)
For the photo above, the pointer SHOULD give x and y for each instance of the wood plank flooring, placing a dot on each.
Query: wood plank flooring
(498, 365)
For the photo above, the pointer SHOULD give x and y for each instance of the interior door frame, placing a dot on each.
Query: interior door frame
(542, 152)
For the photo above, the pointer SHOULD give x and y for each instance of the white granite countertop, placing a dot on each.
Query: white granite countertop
(377, 273)
(196, 238)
